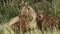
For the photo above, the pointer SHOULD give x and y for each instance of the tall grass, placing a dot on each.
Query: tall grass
(10, 9)
(5, 29)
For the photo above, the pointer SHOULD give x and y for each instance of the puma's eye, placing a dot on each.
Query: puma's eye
(39, 16)
(20, 8)
(31, 18)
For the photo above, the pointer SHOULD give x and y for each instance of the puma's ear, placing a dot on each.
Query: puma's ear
(42, 12)
(21, 5)
(26, 4)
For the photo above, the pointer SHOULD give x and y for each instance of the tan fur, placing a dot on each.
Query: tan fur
(26, 21)
(24, 11)
(55, 20)
(32, 24)
(48, 21)
(13, 20)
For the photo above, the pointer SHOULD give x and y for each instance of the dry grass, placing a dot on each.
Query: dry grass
(5, 29)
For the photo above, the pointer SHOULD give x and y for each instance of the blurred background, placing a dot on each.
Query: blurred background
(10, 8)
